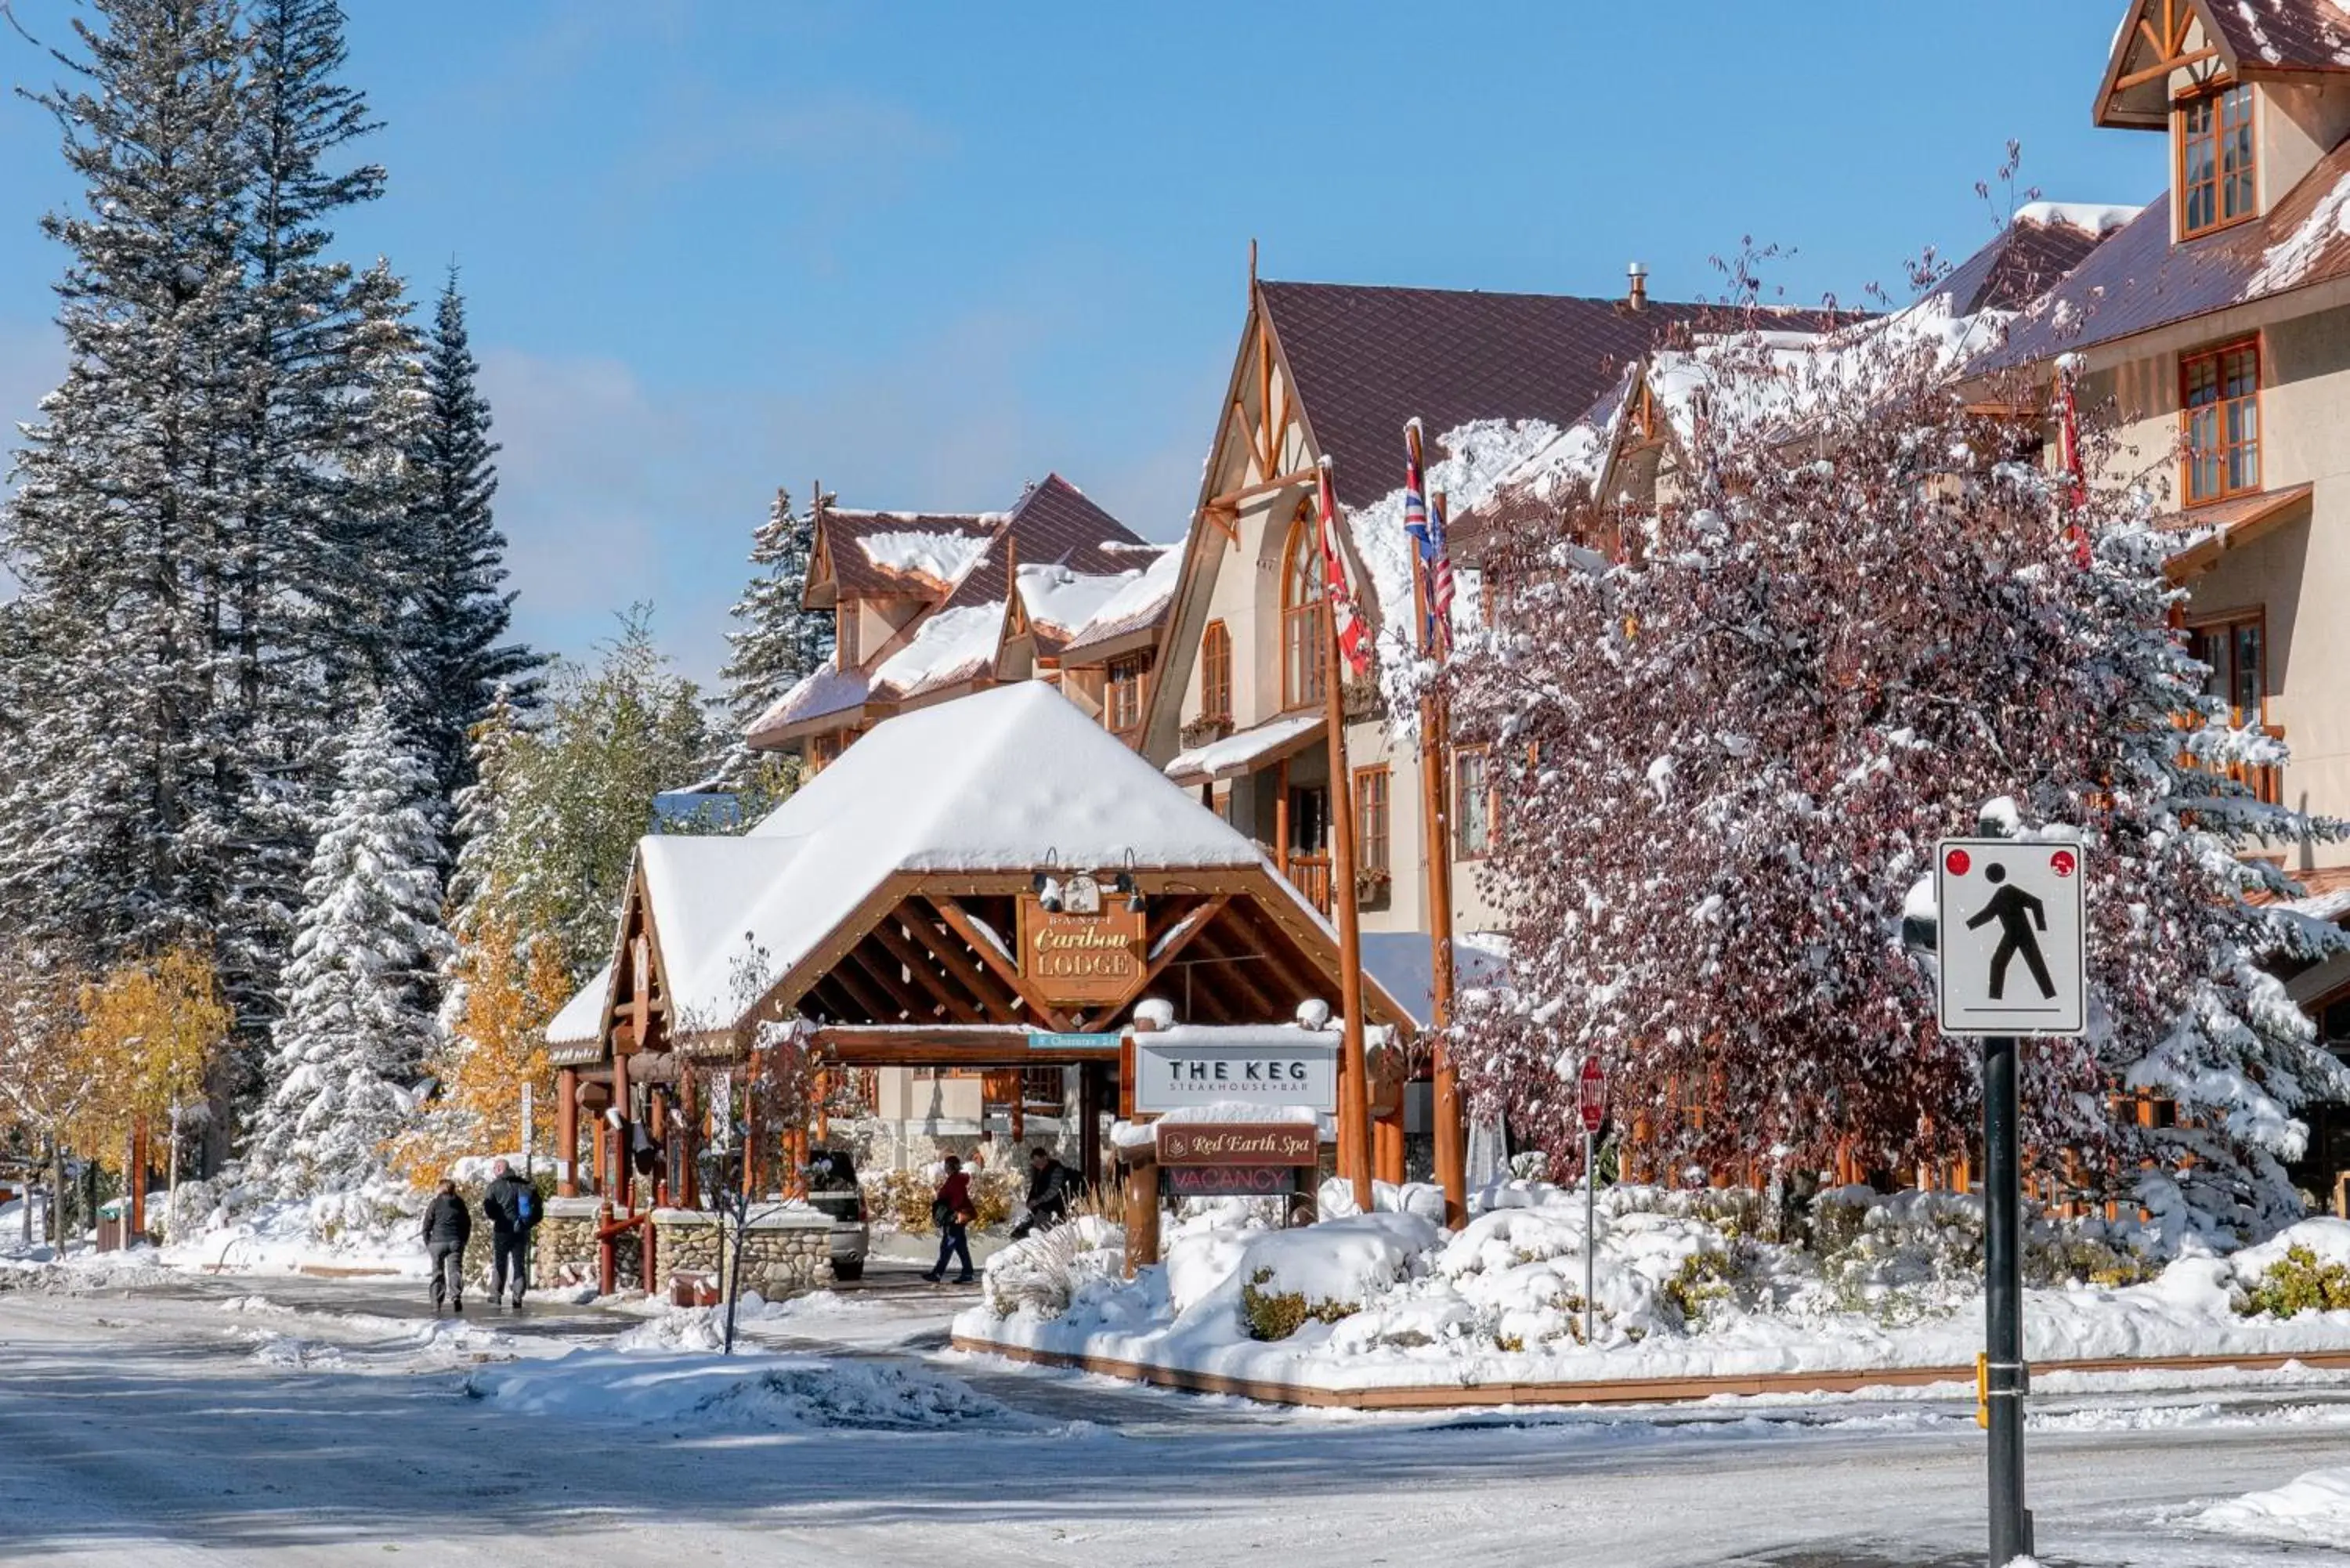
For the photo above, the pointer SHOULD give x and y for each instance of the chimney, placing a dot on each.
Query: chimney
(1636, 296)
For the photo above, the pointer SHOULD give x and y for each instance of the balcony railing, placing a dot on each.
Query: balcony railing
(1310, 874)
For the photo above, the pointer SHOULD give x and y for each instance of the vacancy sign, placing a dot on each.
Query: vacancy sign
(2011, 937)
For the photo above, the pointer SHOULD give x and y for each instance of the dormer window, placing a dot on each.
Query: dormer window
(2215, 160)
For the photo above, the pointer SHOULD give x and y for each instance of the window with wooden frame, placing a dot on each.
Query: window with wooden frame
(2219, 405)
(1305, 614)
(823, 751)
(1472, 802)
(1371, 820)
(1129, 684)
(2216, 161)
(2235, 647)
(844, 634)
(1216, 672)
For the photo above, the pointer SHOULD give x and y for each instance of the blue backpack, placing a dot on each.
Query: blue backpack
(524, 1204)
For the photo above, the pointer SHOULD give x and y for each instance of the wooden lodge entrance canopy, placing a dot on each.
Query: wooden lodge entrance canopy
(989, 883)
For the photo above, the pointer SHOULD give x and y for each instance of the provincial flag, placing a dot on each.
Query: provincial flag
(1426, 526)
(1353, 640)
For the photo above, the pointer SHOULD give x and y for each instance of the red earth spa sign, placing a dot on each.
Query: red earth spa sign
(1235, 1159)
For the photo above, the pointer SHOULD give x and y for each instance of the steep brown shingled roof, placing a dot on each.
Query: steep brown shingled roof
(2287, 35)
(2139, 280)
(1054, 525)
(842, 529)
(2023, 261)
(1368, 358)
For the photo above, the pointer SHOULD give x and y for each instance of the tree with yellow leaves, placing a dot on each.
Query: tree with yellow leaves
(148, 1034)
(504, 991)
(45, 1089)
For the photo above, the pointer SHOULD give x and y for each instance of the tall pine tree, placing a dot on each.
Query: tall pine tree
(367, 947)
(777, 644)
(119, 818)
(458, 657)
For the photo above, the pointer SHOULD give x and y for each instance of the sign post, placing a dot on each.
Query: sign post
(527, 1130)
(2004, 906)
(1591, 1096)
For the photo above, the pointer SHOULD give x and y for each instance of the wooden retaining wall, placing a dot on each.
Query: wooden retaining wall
(1614, 1391)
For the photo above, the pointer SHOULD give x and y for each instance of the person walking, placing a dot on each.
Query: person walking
(448, 1226)
(1049, 1192)
(512, 1208)
(952, 1211)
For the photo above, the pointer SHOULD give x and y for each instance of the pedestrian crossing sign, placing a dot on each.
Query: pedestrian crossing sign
(2011, 937)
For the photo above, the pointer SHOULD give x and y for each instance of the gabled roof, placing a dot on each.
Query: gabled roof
(996, 782)
(1053, 524)
(2139, 280)
(879, 553)
(1365, 359)
(2029, 255)
(2247, 40)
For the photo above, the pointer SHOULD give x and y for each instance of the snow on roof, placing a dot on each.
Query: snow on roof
(1477, 456)
(951, 646)
(1063, 600)
(2285, 261)
(1237, 753)
(2096, 217)
(581, 1019)
(1139, 603)
(824, 690)
(945, 556)
(993, 782)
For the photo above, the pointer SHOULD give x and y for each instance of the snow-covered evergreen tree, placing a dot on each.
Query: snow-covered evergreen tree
(1728, 727)
(460, 656)
(777, 643)
(368, 946)
(121, 825)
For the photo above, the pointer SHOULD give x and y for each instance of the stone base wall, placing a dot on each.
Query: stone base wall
(783, 1254)
(564, 1245)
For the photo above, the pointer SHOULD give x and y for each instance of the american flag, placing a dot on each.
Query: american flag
(1352, 640)
(1426, 528)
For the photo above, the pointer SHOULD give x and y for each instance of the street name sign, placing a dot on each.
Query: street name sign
(2011, 936)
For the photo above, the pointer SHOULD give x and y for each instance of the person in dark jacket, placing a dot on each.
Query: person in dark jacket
(1049, 1182)
(448, 1226)
(511, 1206)
(952, 1211)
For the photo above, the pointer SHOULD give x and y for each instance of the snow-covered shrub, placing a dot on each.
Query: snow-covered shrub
(2297, 1282)
(1042, 1274)
(901, 1200)
(1324, 1272)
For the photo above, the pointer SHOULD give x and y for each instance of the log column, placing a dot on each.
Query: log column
(567, 1130)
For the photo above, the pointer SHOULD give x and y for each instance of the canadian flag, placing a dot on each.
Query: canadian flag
(1354, 641)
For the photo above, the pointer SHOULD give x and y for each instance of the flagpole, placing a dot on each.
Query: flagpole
(1354, 1084)
(1452, 1126)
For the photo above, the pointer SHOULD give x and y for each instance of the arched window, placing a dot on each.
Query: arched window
(1305, 623)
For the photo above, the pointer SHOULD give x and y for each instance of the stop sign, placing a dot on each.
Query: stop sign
(1592, 1086)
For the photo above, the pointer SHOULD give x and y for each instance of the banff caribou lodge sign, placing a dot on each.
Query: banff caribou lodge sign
(1078, 957)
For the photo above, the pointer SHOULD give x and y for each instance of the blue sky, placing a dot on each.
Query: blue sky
(922, 251)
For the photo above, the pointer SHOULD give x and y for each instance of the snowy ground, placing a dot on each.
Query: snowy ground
(297, 1421)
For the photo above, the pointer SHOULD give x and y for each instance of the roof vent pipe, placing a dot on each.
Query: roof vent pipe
(1636, 296)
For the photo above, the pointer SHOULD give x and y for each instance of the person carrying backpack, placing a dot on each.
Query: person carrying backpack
(448, 1226)
(511, 1205)
(1049, 1182)
(952, 1211)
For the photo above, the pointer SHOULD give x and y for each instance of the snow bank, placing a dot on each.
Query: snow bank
(1684, 1285)
(764, 1392)
(2311, 1510)
(235, 1232)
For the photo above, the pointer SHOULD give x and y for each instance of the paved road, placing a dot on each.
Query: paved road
(162, 1427)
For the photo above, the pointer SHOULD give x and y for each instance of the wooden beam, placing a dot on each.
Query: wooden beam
(1228, 965)
(881, 970)
(2155, 73)
(1238, 498)
(2146, 30)
(874, 1004)
(1172, 944)
(917, 964)
(927, 931)
(999, 964)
